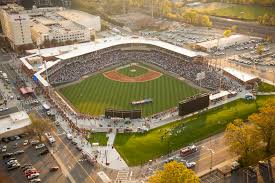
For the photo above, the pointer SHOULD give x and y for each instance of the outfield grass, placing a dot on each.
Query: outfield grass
(265, 87)
(96, 93)
(140, 148)
(128, 71)
(246, 12)
(98, 137)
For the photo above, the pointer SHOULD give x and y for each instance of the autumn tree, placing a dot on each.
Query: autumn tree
(227, 33)
(260, 49)
(174, 172)
(265, 123)
(242, 139)
(40, 125)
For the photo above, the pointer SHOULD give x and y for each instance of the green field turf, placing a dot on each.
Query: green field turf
(99, 137)
(96, 93)
(137, 148)
(247, 12)
(265, 87)
(128, 71)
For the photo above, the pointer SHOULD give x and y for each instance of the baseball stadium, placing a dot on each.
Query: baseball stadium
(130, 75)
(136, 78)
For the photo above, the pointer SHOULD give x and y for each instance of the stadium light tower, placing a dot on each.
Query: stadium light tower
(45, 65)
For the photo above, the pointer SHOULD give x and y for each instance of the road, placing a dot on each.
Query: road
(251, 28)
(70, 159)
(220, 157)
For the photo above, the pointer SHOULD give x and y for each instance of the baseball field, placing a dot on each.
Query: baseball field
(118, 87)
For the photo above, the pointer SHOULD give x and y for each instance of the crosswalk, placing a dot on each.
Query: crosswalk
(122, 176)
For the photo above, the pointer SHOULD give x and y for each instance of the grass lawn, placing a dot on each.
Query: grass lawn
(140, 148)
(99, 137)
(96, 93)
(265, 87)
(133, 71)
(247, 12)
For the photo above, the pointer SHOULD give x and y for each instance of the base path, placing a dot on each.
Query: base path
(116, 76)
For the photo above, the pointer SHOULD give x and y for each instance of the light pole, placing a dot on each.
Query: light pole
(211, 160)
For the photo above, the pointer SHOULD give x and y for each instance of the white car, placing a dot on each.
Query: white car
(190, 164)
(69, 136)
(25, 142)
(34, 142)
(4, 148)
(12, 162)
(35, 180)
(18, 152)
(39, 146)
(32, 176)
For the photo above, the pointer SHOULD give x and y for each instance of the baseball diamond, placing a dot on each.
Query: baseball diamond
(116, 89)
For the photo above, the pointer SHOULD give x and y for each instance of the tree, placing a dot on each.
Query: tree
(242, 139)
(206, 21)
(227, 33)
(265, 123)
(39, 125)
(260, 49)
(174, 172)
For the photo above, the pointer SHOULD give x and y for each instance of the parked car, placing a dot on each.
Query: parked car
(11, 162)
(69, 136)
(39, 146)
(34, 142)
(25, 142)
(235, 165)
(4, 148)
(7, 155)
(169, 160)
(74, 141)
(28, 173)
(53, 169)
(11, 138)
(14, 166)
(26, 165)
(78, 147)
(32, 176)
(28, 168)
(5, 139)
(23, 135)
(35, 180)
(19, 152)
(46, 151)
(15, 146)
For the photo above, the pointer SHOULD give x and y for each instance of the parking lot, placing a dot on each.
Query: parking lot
(31, 155)
(181, 36)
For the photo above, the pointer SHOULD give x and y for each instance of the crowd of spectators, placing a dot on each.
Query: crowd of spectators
(74, 69)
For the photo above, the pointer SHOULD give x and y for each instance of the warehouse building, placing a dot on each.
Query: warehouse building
(47, 24)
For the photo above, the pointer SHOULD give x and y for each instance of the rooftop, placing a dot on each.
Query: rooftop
(239, 74)
(14, 121)
(70, 51)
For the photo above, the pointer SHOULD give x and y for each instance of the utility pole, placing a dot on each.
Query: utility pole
(211, 158)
